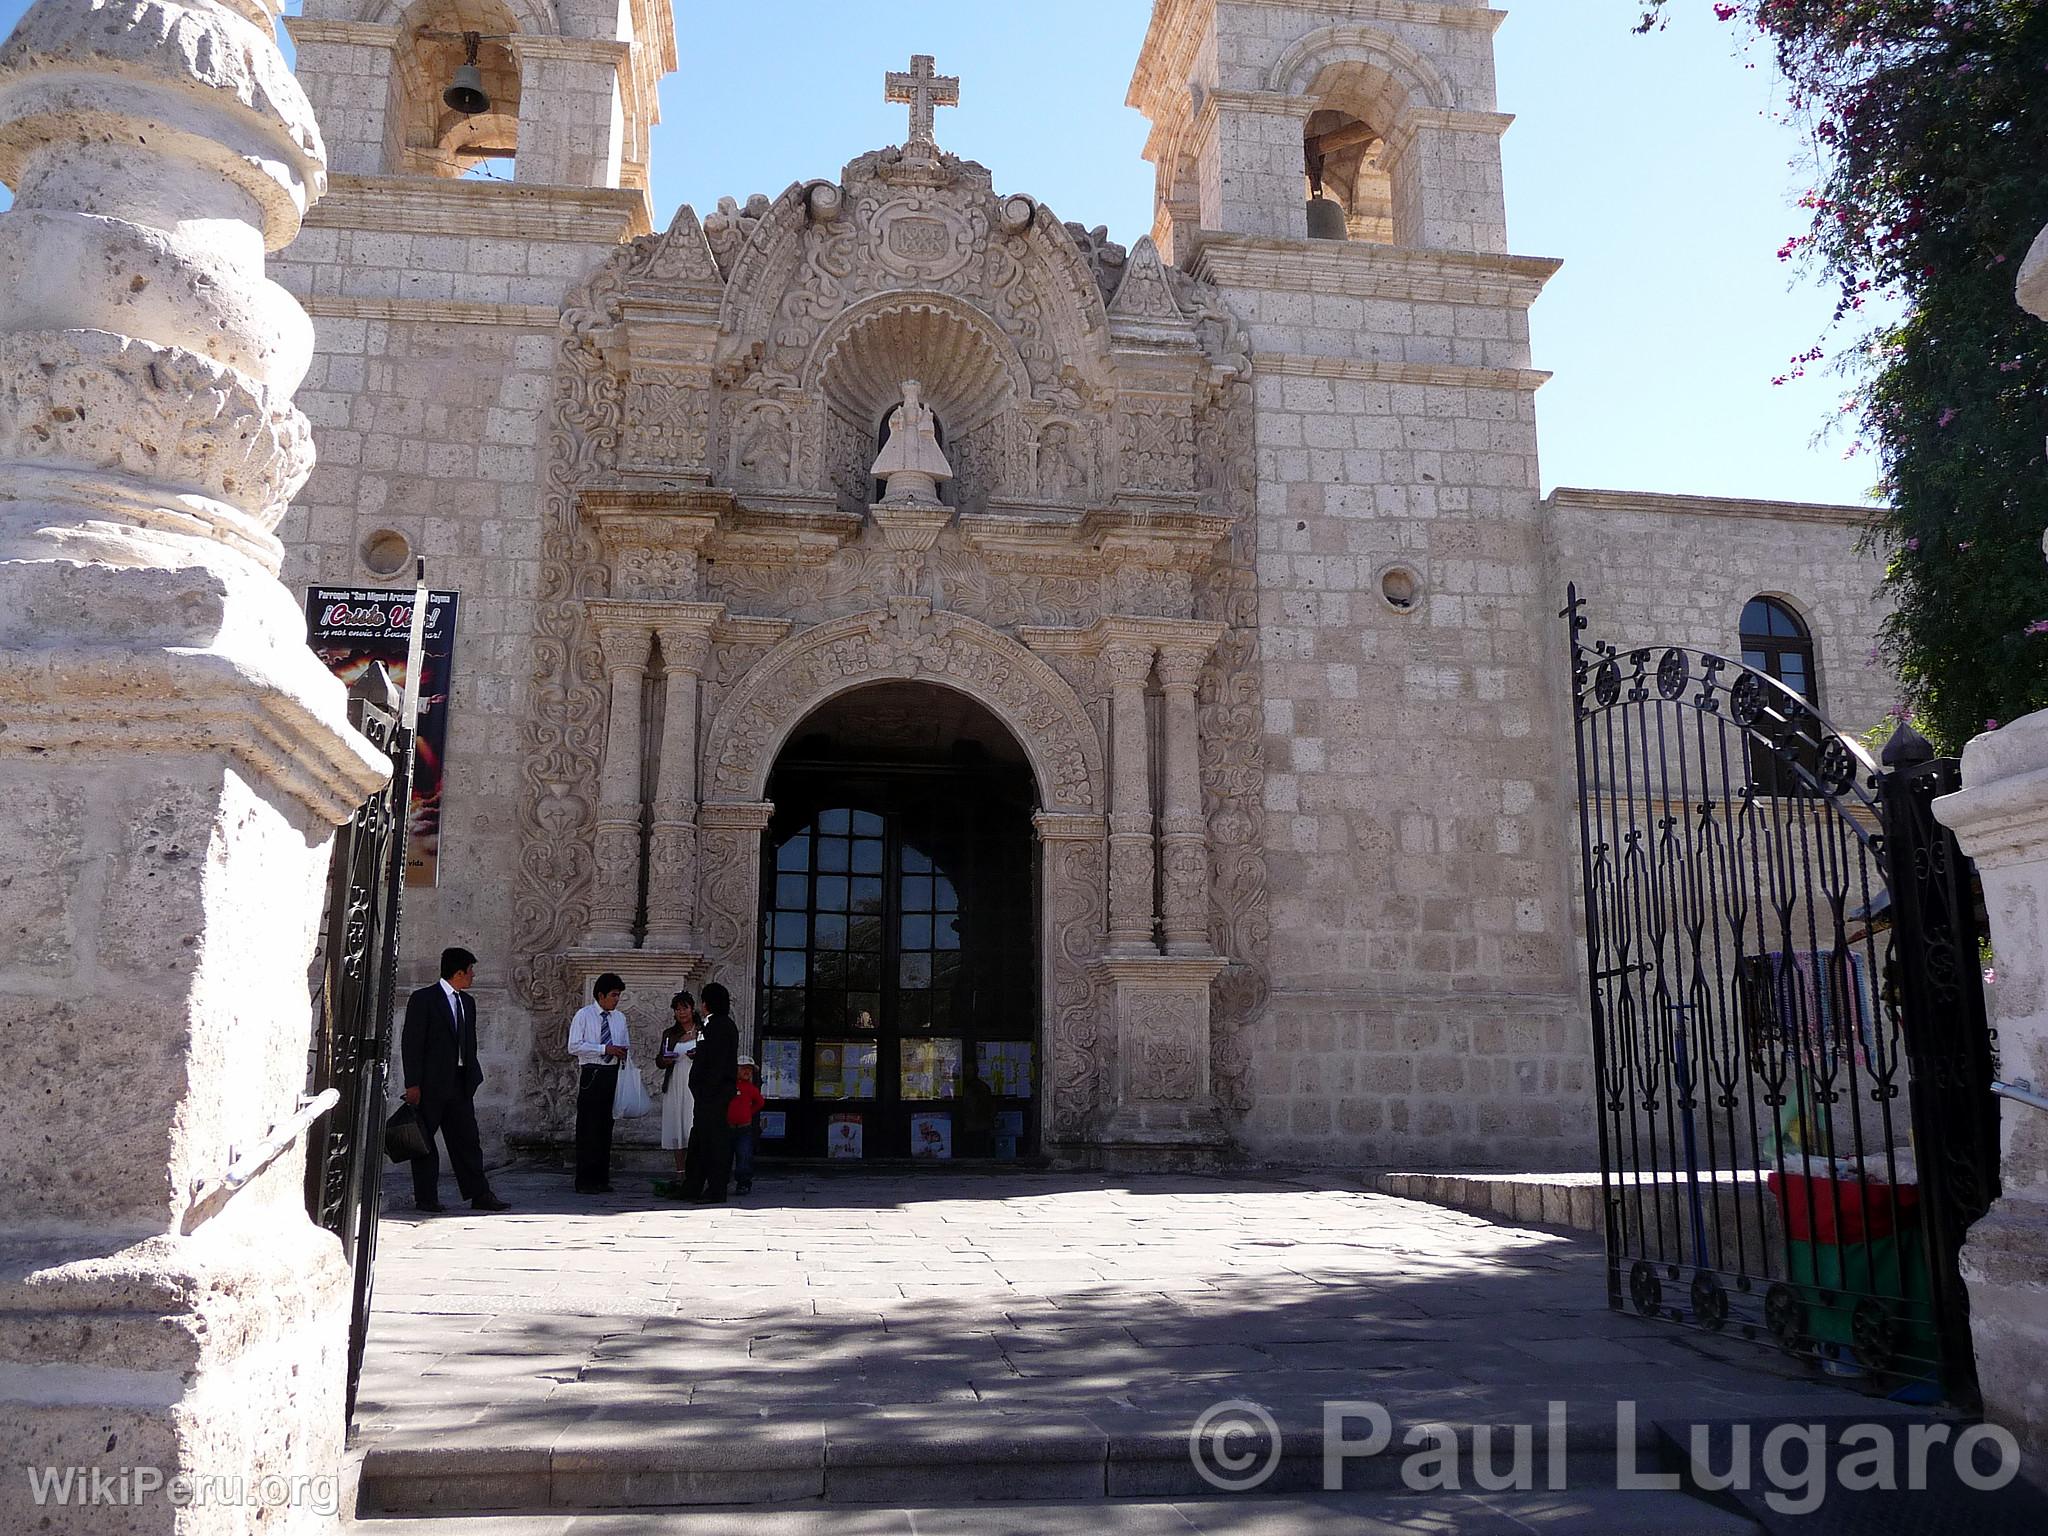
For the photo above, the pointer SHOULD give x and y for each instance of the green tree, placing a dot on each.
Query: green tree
(1930, 121)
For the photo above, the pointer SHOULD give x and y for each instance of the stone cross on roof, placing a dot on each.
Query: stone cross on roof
(924, 90)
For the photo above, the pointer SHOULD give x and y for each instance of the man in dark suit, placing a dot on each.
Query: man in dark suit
(438, 1053)
(714, 1074)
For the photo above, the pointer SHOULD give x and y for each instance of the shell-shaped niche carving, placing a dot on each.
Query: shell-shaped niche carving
(967, 366)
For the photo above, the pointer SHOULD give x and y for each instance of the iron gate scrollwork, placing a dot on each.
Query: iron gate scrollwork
(1791, 1054)
(354, 997)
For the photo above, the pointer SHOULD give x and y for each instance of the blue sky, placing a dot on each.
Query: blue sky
(1653, 166)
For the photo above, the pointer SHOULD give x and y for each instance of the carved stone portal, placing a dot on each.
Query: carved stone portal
(1098, 448)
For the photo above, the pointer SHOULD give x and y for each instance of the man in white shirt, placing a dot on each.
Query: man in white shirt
(597, 1039)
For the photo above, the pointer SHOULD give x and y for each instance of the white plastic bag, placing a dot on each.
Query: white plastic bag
(630, 1098)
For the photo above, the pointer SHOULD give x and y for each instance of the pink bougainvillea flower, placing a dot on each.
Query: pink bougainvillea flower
(1990, 725)
(1947, 416)
(1913, 544)
(2038, 627)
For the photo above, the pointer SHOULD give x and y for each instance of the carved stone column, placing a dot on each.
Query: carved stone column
(729, 898)
(173, 764)
(615, 901)
(1184, 834)
(1132, 921)
(672, 844)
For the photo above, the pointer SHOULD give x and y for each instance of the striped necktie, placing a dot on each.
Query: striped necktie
(604, 1027)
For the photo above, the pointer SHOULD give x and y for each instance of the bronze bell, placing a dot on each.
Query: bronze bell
(466, 93)
(1326, 219)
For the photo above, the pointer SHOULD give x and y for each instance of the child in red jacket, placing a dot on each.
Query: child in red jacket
(739, 1118)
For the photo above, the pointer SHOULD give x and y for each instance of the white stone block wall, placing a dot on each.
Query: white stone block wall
(428, 393)
(1424, 1008)
(349, 85)
(1678, 570)
(571, 121)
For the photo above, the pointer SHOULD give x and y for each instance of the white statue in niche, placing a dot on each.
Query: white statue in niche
(911, 461)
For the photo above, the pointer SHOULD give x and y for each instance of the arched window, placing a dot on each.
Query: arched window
(1775, 642)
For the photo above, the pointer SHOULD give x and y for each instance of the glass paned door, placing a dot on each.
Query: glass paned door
(898, 994)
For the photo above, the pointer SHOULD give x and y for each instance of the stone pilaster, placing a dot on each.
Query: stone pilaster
(672, 842)
(174, 763)
(729, 898)
(1247, 148)
(1132, 919)
(572, 129)
(1075, 1076)
(1183, 832)
(2001, 820)
(615, 903)
(1449, 194)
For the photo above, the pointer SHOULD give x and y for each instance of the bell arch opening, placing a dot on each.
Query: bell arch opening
(898, 998)
(455, 88)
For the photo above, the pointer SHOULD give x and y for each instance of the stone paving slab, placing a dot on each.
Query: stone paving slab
(911, 1338)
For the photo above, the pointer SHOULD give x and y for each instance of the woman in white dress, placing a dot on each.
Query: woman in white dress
(677, 1042)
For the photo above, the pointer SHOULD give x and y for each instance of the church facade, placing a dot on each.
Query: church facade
(1185, 772)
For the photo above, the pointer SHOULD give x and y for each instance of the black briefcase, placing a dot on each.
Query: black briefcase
(404, 1138)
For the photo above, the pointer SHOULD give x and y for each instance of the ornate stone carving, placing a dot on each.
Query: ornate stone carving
(1144, 294)
(1106, 259)
(763, 454)
(1165, 1063)
(728, 229)
(1232, 729)
(668, 420)
(907, 642)
(1157, 435)
(921, 239)
(1046, 410)
(729, 893)
(167, 728)
(683, 258)
(671, 883)
(1077, 1069)
(796, 276)
(1060, 467)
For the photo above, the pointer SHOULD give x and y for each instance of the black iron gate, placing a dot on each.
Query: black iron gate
(354, 996)
(1792, 1060)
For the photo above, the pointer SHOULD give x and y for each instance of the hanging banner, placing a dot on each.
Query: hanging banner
(351, 629)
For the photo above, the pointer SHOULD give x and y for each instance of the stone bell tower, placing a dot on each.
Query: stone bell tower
(567, 91)
(1333, 167)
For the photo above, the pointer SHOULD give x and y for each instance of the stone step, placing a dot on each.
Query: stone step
(891, 1456)
(1570, 1200)
(1593, 1513)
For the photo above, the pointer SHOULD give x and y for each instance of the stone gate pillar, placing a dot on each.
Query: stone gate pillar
(2001, 819)
(173, 764)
